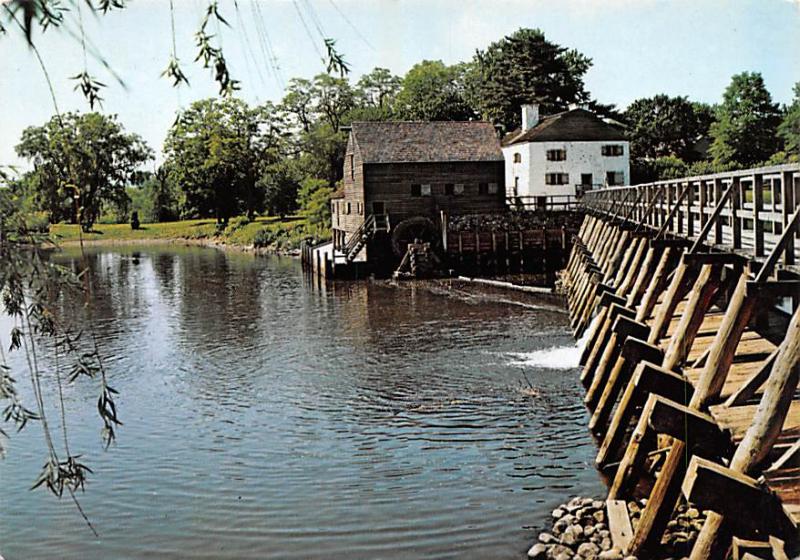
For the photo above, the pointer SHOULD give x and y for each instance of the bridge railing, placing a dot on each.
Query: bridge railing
(754, 211)
(551, 202)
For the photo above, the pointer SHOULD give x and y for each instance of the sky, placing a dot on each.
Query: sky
(639, 48)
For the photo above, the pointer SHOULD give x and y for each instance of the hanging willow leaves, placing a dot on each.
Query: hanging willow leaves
(336, 59)
(173, 70)
(90, 87)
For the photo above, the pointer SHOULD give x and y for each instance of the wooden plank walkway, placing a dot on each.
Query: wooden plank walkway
(676, 359)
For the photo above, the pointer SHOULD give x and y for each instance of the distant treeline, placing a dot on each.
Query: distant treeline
(224, 158)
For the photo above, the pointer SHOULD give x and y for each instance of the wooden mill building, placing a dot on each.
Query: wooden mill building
(401, 177)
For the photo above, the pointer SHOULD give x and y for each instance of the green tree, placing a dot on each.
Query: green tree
(525, 67)
(378, 88)
(433, 91)
(82, 162)
(662, 126)
(314, 200)
(789, 129)
(280, 186)
(745, 131)
(215, 151)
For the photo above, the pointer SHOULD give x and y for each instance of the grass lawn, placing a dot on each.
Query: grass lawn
(283, 234)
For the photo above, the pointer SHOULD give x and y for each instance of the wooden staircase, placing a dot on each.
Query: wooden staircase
(372, 224)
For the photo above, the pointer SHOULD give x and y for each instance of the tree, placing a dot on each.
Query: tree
(662, 126)
(432, 91)
(81, 162)
(378, 88)
(745, 131)
(789, 129)
(525, 67)
(215, 151)
(280, 185)
(314, 200)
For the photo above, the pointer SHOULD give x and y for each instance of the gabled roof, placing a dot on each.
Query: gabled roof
(439, 141)
(575, 125)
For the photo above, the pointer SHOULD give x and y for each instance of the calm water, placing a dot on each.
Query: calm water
(266, 418)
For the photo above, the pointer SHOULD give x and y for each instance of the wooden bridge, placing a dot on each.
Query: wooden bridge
(687, 293)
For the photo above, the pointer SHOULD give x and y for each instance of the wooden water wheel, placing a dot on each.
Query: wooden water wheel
(416, 228)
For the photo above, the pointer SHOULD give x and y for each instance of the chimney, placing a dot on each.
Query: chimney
(530, 116)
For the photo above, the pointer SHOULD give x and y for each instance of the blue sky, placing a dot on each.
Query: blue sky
(639, 47)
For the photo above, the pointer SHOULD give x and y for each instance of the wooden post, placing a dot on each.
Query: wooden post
(762, 434)
(787, 203)
(657, 282)
(736, 204)
(758, 207)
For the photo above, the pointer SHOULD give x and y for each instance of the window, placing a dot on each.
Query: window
(459, 189)
(517, 158)
(483, 188)
(426, 190)
(556, 155)
(556, 178)
(449, 189)
(348, 208)
(615, 178)
(352, 168)
(492, 188)
(612, 150)
(416, 190)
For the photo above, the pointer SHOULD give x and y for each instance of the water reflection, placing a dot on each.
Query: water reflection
(267, 419)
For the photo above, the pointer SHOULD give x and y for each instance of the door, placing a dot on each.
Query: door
(586, 181)
(378, 208)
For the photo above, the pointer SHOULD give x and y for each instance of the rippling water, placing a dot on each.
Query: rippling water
(267, 418)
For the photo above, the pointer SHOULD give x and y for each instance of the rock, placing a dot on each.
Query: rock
(612, 554)
(586, 502)
(598, 504)
(572, 535)
(547, 538)
(568, 519)
(599, 516)
(560, 552)
(692, 513)
(588, 550)
(606, 544)
(601, 526)
(538, 552)
(559, 526)
(630, 558)
(558, 513)
(589, 530)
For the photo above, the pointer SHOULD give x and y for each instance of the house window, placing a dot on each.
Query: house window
(449, 189)
(483, 188)
(612, 150)
(416, 190)
(492, 188)
(615, 178)
(458, 189)
(352, 168)
(556, 155)
(517, 158)
(425, 190)
(348, 208)
(556, 178)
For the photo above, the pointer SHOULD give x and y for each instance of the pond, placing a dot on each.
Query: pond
(266, 417)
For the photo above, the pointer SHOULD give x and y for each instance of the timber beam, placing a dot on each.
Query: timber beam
(730, 493)
(698, 430)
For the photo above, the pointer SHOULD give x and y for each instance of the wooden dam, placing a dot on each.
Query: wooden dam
(687, 293)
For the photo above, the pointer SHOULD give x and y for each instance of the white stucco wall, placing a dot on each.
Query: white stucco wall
(582, 157)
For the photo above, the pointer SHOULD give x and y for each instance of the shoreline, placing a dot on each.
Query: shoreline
(211, 243)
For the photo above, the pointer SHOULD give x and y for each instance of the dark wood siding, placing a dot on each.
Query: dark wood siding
(391, 183)
(353, 191)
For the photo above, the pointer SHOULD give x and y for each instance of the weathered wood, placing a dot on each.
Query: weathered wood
(697, 430)
(683, 275)
(648, 378)
(601, 344)
(643, 440)
(713, 220)
(728, 492)
(619, 523)
(749, 389)
(787, 237)
(743, 548)
(656, 285)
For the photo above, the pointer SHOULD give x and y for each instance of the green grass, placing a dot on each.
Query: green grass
(270, 232)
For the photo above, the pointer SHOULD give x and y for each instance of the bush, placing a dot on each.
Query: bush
(236, 224)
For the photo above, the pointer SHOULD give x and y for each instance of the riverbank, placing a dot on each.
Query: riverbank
(267, 234)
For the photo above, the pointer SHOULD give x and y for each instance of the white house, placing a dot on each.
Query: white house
(564, 154)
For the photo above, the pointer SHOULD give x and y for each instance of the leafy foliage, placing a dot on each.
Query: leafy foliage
(81, 162)
(525, 67)
(432, 91)
(789, 129)
(745, 131)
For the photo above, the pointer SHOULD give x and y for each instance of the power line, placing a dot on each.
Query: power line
(352, 25)
(266, 45)
(308, 30)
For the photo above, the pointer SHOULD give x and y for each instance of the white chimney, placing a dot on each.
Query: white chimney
(530, 116)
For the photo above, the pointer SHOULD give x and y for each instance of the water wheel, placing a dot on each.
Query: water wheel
(407, 231)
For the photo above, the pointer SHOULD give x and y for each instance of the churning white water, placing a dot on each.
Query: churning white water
(555, 357)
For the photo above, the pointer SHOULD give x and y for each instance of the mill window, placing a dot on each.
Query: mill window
(517, 158)
(483, 188)
(449, 189)
(416, 190)
(556, 155)
(556, 178)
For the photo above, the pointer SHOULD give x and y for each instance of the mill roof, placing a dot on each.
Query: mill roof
(437, 141)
